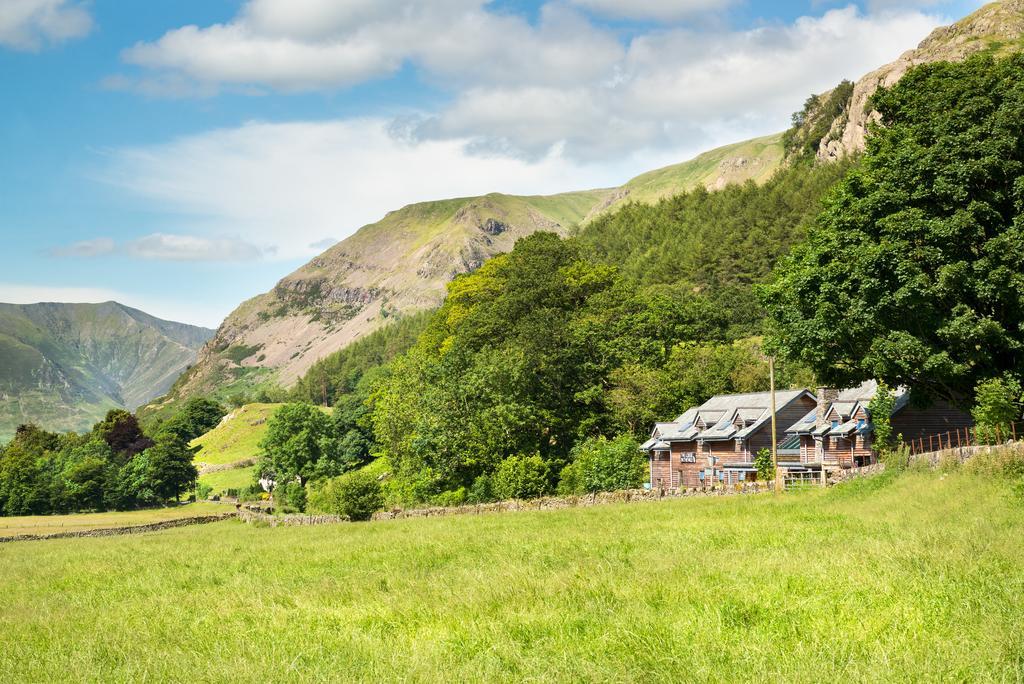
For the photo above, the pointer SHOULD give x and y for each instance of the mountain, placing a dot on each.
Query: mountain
(403, 262)
(997, 27)
(64, 365)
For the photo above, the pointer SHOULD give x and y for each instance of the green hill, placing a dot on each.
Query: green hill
(235, 442)
(402, 263)
(64, 366)
(909, 578)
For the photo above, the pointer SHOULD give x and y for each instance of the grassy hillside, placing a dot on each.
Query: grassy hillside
(223, 480)
(64, 366)
(754, 160)
(402, 263)
(236, 438)
(916, 578)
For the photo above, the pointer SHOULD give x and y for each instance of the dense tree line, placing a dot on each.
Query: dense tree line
(115, 466)
(914, 272)
(718, 243)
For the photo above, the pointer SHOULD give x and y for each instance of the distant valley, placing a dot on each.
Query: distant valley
(64, 366)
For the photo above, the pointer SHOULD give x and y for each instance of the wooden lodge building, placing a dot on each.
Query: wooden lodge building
(715, 443)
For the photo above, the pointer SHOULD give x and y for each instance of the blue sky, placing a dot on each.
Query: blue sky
(183, 155)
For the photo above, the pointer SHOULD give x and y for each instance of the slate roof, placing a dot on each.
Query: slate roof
(726, 416)
(843, 409)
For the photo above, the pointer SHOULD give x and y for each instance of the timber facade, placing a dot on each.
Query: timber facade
(715, 443)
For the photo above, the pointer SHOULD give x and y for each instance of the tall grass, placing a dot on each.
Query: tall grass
(908, 577)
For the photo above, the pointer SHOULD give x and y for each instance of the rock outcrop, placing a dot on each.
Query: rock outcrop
(997, 27)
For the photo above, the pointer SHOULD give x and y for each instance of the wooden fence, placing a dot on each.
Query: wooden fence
(967, 437)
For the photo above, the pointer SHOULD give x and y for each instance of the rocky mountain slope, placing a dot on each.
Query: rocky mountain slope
(403, 262)
(64, 365)
(997, 27)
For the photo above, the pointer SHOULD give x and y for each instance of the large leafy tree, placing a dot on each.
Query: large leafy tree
(197, 417)
(913, 273)
(299, 443)
(520, 360)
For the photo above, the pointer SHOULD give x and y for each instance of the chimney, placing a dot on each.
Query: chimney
(826, 395)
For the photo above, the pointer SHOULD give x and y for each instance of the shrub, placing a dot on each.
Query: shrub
(896, 460)
(880, 408)
(604, 465)
(765, 464)
(521, 477)
(203, 490)
(570, 481)
(482, 490)
(293, 497)
(455, 497)
(1005, 461)
(997, 405)
(356, 495)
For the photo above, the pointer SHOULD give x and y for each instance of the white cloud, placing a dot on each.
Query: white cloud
(85, 248)
(313, 44)
(675, 87)
(536, 108)
(30, 24)
(167, 247)
(523, 89)
(286, 186)
(662, 10)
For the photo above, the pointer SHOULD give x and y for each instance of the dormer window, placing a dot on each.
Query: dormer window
(835, 424)
(860, 424)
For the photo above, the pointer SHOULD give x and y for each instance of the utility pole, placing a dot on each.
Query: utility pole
(775, 441)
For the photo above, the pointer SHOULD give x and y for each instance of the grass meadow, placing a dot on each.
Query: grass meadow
(918, 576)
(237, 438)
(80, 522)
(223, 480)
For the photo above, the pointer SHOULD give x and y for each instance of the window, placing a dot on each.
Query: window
(860, 424)
(835, 424)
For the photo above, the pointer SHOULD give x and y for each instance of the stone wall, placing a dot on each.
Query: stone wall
(131, 529)
(844, 474)
(254, 515)
(559, 502)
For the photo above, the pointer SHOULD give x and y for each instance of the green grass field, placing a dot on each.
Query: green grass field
(49, 524)
(909, 578)
(237, 438)
(222, 480)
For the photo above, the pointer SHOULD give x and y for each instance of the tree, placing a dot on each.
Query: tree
(169, 470)
(85, 480)
(198, 416)
(539, 348)
(356, 495)
(604, 465)
(298, 444)
(521, 477)
(880, 409)
(997, 405)
(765, 464)
(912, 272)
(120, 429)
